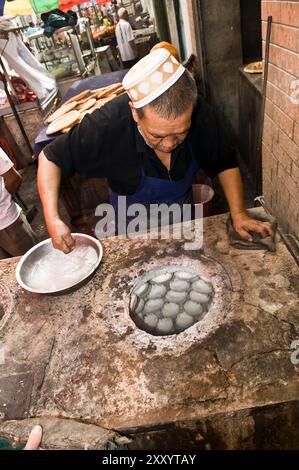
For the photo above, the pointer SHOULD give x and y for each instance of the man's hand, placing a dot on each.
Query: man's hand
(243, 224)
(34, 439)
(61, 236)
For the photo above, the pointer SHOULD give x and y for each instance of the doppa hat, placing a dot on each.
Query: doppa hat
(121, 12)
(152, 76)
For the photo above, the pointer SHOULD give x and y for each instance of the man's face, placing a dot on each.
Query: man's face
(161, 134)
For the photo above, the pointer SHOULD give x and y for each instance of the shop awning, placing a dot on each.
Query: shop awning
(26, 7)
(66, 5)
(17, 7)
(40, 6)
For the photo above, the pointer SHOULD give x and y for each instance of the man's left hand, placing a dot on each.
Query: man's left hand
(243, 224)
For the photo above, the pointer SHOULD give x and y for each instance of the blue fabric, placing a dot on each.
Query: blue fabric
(2, 2)
(158, 190)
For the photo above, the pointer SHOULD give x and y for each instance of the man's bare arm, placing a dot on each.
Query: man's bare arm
(232, 185)
(48, 181)
(12, 180)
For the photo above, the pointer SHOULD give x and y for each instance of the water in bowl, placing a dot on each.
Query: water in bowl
(57, 270)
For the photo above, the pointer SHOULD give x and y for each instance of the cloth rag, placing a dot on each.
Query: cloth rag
(258, 243)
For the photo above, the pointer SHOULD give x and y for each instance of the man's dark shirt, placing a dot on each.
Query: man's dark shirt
(108, 144)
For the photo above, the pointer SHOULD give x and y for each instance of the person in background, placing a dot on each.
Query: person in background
(110, 17)
(31, 29)
(106, 21)
(125, 40)
(16, 235)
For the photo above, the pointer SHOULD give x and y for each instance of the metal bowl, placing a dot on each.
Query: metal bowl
(27, 263)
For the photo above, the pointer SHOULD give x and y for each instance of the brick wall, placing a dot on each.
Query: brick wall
(280, 147)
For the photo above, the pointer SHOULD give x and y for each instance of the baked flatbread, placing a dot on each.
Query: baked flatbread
(66, 130)
(80, 102)
(120, 91)
(88, 111)
(65, 108)
(87, 105)
(254, 67)
(78, 97)
(99, 104)
(109, 89)
(84, 100)
(109, 98)
(67, 120)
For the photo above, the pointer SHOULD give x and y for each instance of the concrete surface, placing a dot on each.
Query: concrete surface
(80, 356)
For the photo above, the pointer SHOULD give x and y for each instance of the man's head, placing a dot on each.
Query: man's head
(123, 14)
(163, 95)
(164, 123)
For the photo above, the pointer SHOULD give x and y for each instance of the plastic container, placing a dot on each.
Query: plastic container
(203, 194)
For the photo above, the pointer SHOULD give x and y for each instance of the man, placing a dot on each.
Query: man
(125, 40)
(31, 29)
(16, 235)
(148, 145)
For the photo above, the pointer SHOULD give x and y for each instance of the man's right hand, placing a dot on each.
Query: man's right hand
(61, 236)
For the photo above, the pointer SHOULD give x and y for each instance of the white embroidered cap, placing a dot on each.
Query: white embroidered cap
(121, 11)
(152, 76)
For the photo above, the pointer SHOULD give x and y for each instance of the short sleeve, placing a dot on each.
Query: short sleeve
(83, 149)
(5, 163)
(213, 147)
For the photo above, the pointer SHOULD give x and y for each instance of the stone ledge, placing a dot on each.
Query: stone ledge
(62, 434)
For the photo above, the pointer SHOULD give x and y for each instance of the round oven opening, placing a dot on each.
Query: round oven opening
(170, 300)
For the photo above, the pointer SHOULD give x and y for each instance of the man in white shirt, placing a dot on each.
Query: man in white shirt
(125, 40)
(16, 235)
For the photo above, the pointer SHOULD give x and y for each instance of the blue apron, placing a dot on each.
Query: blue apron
(158, 191)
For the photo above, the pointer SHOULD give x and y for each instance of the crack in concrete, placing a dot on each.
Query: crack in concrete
(292, 325)
(80, 420)
(36, 334)
(47, 365)
(254, 356)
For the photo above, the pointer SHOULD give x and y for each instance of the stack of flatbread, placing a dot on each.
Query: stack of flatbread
(73, 111)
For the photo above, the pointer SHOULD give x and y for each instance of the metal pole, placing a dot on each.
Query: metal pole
(12, 105)
(265, 79)
(89, 37)
(204, 71)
